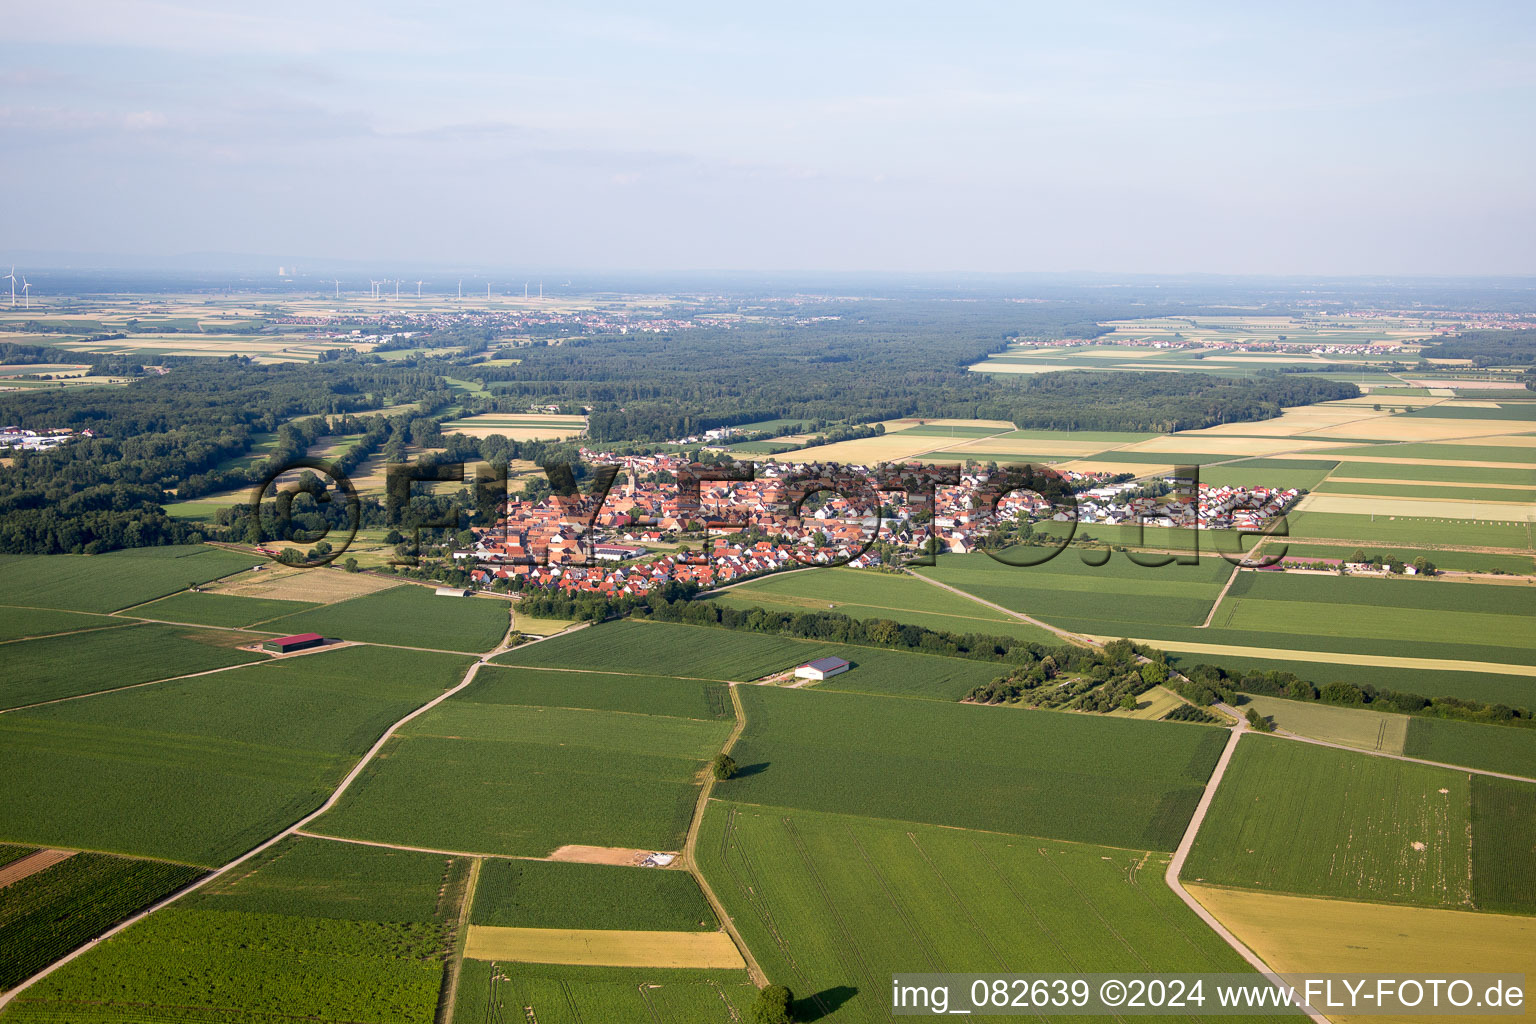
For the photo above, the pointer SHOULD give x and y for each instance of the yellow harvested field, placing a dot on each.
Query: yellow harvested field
(518, 426)
(1398, 401)
(1334, 658)
(914, 421)
(1034, 446)
(1110, 466)
(867, 451)
(1509, 441)
(990, 366)
(1422, 508)
(1221, 444)
(1414, 428)
(1299, 420)
(539, 627)
(287, 584)
(1296, 934)
(602, 948)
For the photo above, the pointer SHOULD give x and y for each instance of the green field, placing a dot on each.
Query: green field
(1448, 491)
(1353, 727)
(106, 583)
(199, 770)
(863, 594)
(1119, 598)
(1315, 821)
(513, 992)
(48, 668)
(1395, 529)
(505, 779)
(1085, 778)
(1282, 473)
(350, 935)
(698, 652)
(219, 609)
(645, 695)
(16, 623)
(550, 894)
(832, 905)
(45, 915)
(1494, 748)
(408, 616)
(1504, 836)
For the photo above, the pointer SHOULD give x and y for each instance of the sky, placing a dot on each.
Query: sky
(1336, 138)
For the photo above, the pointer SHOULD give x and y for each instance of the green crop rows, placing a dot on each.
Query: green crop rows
(47, 914)
(601, 691)
(408, 616)
(550, 894)
(1090, 779)
(1503, 838)
(1494, 748)
(1314, 821)
(219, 609)
(22, 622)
(597, 995)
(105, 583)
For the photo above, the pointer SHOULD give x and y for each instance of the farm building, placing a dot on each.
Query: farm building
(821, 668)
(289, 644)
(452, 592)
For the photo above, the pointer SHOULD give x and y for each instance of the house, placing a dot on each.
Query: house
(821, 668)
(289, 644)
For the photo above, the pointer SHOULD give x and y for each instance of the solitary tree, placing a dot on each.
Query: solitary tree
(723, 766)
(1258, 721)
(772, 1006)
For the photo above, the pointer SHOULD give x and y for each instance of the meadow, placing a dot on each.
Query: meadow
(199, 770)
(1315, 821)
(551, 894)
(1084, 778)
(113, 581)
(1389, 528)
(833, 904)
(49, 668)
(219, 609)
(1353, 727)
(583, 995)
(646, 695)
(1445, 560)
(285, 938)
(410, 616)
(521, 781)
(47, 914)
(863, 594)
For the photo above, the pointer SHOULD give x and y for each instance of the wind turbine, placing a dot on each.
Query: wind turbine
(418, 289)
(338, 288)
(11, 277)
(397, 289)
(487, 291)
(461, 291)
(26, 302)
(525, 291)
(541, 291)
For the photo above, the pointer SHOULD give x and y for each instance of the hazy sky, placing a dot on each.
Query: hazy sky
(1288, 138)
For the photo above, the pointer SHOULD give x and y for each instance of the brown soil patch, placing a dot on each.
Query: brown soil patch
(31, 864)
(613, 855)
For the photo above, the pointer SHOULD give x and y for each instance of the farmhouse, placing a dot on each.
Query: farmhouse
(289, 644)
(821, 668)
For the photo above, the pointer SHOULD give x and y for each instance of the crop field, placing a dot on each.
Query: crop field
(1119, 598)
(1353, 727)
(17, 623)
(698, 652)
(862, 594)
(550, 894)
(409, 616)
(552, 994)
(832, 905)
(198, 770)
(1499, 493)
(1494, 748)
(524, 426)
(505, 779)
(45, 915)
(304, 586)
(1084, 778)
(1504, 835)
(119, 579)
(287, 938)
(1461, 507)
(1297, 934)
(1483, 622)
(1314, 821)
(1390, 528)
(48, 668)
(601, 691)
(219, 609)
(604, 947)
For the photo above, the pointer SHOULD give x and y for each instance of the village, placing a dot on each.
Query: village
(649, 531)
